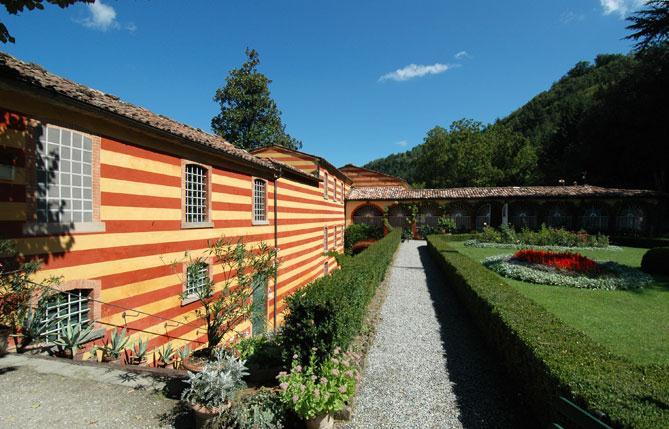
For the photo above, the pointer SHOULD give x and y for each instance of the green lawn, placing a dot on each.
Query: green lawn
(634, 324)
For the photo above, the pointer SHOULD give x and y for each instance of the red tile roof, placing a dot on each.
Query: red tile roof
(398, 193)
(35, 76)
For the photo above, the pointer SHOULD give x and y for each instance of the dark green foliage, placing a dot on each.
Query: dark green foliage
(650, 25)
(329, 312)
(642, 242)
(359, 232)
(249, 117)
(14, 7)
(546, 357)
(602, 123)
(656, 261)
(545, 236)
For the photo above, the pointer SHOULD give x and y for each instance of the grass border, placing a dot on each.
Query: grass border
(548, 358)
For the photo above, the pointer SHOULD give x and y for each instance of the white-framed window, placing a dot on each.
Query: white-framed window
(197, 276)
(325, 185)
(334, 197)
(325, 238)
(64, 177)
(342, 191)
(259, 201)
(196, 194)
(66, 309)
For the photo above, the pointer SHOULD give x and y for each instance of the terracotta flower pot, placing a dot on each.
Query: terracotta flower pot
(4, 339)
(325, 421)
(193, 365)
(203, 415)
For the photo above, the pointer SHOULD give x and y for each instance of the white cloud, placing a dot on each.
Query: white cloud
(402, 143)
(414, 70)
(462, 55)
(102, 17)
(621, 7)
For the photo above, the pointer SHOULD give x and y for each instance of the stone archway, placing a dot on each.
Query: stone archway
(368, 214)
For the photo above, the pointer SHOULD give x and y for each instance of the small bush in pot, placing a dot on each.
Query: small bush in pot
(139, 350)
(316, 392)
(71, 338)
(114, 346)
(261, 410)
(213, 389)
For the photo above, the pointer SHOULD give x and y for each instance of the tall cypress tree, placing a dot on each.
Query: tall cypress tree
(249, 117)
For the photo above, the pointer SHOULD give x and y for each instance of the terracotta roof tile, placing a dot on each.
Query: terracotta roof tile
(398, 193)
(34, 75)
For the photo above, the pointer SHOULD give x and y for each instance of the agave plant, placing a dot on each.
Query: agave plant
(183, 354)
(139, 350)
(167, 354)
(115, 345)
(72, 337)
(33, 326)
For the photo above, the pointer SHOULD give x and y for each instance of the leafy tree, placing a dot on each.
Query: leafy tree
(249, 117)
(650, 25)
(14, 7)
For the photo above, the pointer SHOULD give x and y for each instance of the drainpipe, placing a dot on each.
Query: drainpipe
(276, 250)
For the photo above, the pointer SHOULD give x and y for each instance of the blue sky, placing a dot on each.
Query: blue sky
(334, 64)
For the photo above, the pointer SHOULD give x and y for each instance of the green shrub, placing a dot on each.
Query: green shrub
(491, 235)
(359, 232)
(656, 261)
(548, 358)
(545, 236)
(329, 312)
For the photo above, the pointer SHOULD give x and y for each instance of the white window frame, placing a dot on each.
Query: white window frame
(191, 285)
(79, 299)
(325, 184)
(202, 216)
(334, 195)
(259, 199)
(325, 238)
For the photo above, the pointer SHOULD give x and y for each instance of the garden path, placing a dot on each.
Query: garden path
(43, 393)
(427, 367)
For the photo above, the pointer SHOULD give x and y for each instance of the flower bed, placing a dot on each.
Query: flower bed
(566, 269)
(488, 245)
(546, 357)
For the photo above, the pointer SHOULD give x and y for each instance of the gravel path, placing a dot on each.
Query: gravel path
(427, 367)
(34, 396)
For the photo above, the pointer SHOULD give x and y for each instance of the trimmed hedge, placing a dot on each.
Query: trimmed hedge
(656, 261)
(643, 242)
(548, 358)
(329, 312)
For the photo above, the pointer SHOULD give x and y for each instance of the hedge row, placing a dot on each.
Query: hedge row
(643, 242)
(656, 261)
(329, 312)
(549, 359)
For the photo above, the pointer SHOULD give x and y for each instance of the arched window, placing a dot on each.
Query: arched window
(196, 195)
(325, 238)
(557, 217)
(594, 219)
(259, 201)
(483, 216)
(631, 219)
(398, 217)
(368, 214)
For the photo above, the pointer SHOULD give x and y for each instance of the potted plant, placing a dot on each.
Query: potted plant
(166, 356)
(71, 338)
(112, 349)
(182, 356)
(17, 291)
(317, 392)
(213, 389)
(139, 350)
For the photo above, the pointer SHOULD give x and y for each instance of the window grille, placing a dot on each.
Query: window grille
(64, 170)
(325, 185)
(325, 238)
(334, 191)
(197, 276)
(66, 309)
(196, 193)
(259, 200)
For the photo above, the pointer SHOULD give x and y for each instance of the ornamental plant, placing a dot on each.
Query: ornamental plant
(564, 261)
(318, 390)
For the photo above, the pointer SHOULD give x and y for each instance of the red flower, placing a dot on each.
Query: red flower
(566, 261)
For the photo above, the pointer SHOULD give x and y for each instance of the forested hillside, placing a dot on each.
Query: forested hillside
(605, 122)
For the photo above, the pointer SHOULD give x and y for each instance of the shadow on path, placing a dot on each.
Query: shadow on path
(486, 398)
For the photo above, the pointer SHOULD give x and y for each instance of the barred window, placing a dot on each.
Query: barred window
(196, 193)
(197, 276)
(325, 185)
(334, 196)
(326, 268)
(66, 309)
(325, 238)
(336, 237)
(259, 200)
(64, 176)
